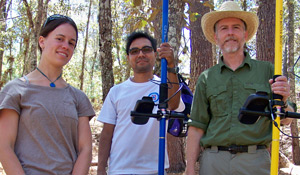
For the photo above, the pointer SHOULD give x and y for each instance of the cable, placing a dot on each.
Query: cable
(276, 125)
(179, 89)
(168, 82)
(293, 72)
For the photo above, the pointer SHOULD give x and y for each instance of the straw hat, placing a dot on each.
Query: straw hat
(228, 9)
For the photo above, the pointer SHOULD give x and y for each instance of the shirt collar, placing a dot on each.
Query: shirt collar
(247, 61)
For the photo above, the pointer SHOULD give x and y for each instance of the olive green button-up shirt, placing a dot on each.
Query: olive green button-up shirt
(220, 93)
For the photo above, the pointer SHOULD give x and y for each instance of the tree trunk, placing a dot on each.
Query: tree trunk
(176, 144)
(25, 53)
(176, 154)
(34, 28)
(2, 3)
(8, 72)
(295, 143)
(202, 55)
(201, 49)
(291, 34)
(92, 85)
(265, 37)
(266, 30)
(214, 47)
(3, 17)
(4, 9)
(81, 77)
(122, 71)
(285, 162)
(105, 45)
(176, 23)
(157, 23)
(285, 60)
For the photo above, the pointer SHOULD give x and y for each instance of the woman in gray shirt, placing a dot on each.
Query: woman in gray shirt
(44, 121)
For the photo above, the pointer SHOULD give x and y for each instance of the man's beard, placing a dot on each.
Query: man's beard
(231, 48)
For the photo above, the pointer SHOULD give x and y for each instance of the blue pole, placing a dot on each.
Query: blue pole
(163, 91)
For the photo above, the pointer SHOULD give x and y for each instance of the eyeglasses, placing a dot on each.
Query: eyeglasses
(55, 17)
(136, 51)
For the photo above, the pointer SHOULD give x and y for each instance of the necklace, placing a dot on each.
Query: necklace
(52, 82)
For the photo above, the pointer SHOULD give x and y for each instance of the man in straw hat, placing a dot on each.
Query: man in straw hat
(231, 147)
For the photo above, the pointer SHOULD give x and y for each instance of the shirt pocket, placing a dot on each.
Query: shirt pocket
(218, 100)
(252, 88)
(70, 110)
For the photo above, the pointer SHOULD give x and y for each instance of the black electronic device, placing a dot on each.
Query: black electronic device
(145, 106)
(255, 103)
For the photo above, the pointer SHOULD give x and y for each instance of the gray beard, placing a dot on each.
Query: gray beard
(231, 49)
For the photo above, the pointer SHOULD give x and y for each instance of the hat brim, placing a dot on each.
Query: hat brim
(209, 20)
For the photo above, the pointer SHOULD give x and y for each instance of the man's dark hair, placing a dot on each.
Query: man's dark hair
(139, 34)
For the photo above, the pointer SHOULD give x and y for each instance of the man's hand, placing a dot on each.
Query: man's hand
(281, 87)
(166, 51)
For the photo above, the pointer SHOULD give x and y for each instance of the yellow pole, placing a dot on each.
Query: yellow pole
(278, 71)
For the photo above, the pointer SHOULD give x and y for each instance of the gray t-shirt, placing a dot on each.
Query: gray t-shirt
(47, 140)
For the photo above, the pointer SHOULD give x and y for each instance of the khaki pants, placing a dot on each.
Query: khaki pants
(254, 162)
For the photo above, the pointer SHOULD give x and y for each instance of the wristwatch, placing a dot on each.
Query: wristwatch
(174, 70)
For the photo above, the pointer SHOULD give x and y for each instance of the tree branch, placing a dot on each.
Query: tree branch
(29, 14)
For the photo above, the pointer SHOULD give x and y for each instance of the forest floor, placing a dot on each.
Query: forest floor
(97, 127)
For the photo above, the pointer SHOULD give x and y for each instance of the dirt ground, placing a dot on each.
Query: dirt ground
(96, 128)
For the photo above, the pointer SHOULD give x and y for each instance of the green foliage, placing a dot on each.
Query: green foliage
(194, 16)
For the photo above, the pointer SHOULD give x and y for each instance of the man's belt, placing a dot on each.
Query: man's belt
(233, 149)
